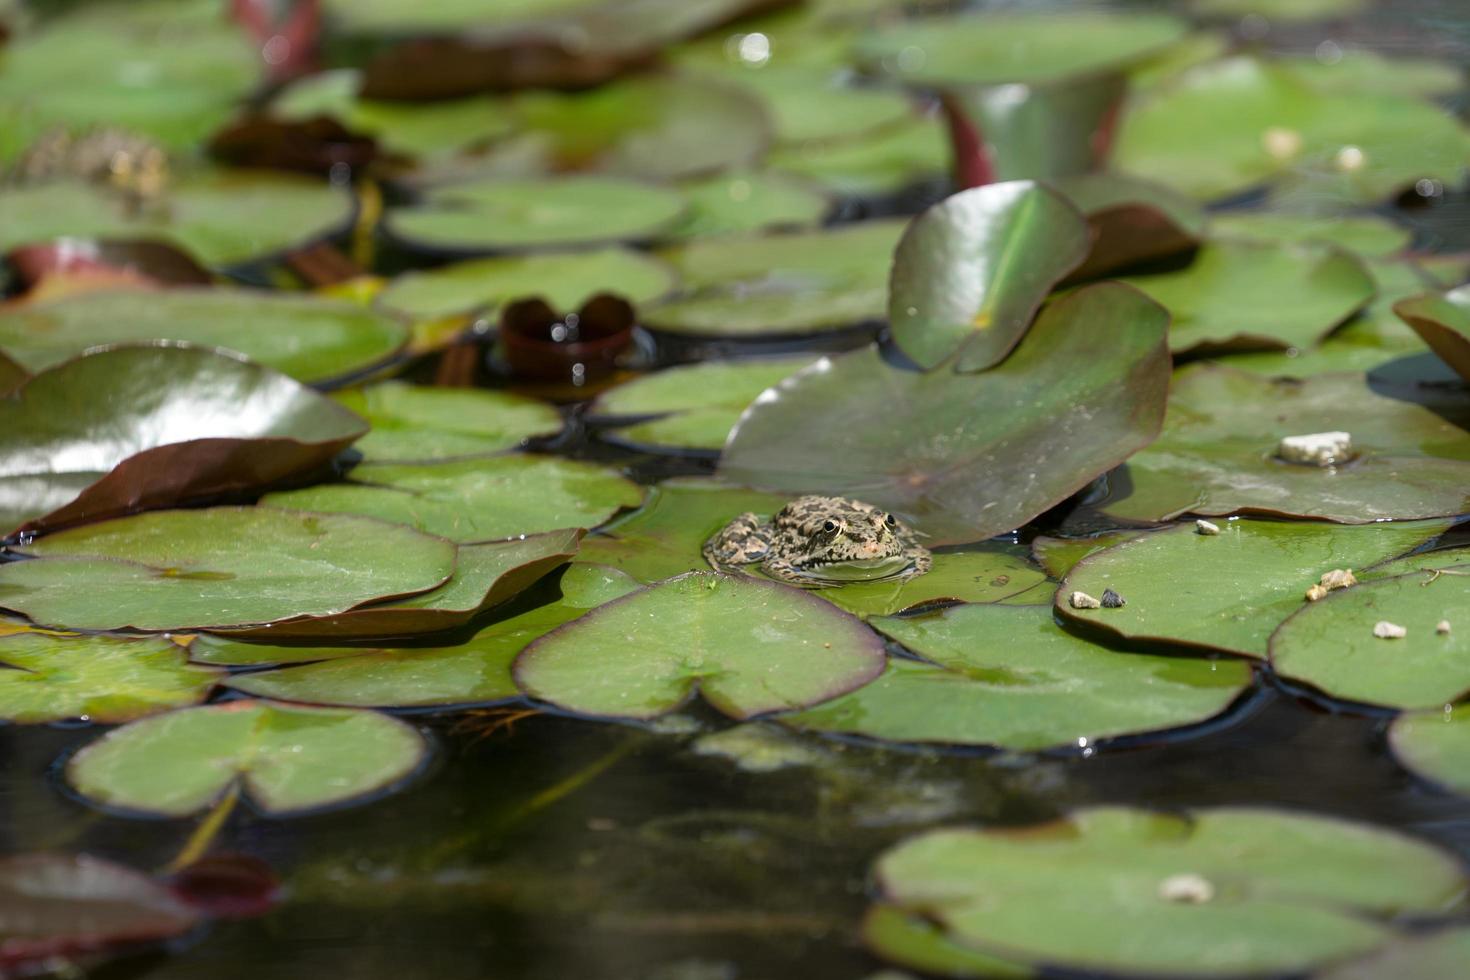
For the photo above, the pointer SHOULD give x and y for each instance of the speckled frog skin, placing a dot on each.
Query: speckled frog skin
(820, 541)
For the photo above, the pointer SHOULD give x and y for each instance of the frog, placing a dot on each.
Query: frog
(131, 166)
(819, 541)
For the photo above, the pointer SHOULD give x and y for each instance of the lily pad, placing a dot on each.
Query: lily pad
(1362, 70)
(1058, 555)
(913, 940)
(1008, 676)
(1216, 454)
(1428, 956)
(12, 375)
(103, 679)
(485, 576)
(566, 280)
(1330, 644)
(814, 102)
(307, 337)
(1239, 295)
(1224, 892)
(219, 567)
(1432, 745)
(416, 424)
(966, 457)
(499, 214)
(1363, 234)
(475, 672)
(478, 499)
(885, 161)
(689, 407)
(789, 284)
(989, 573)
(286, 759)
(1227, 591)
(1284, 10)
(749, 201)
(136, 427)
(971, 271)
(1444, 324)
(1132, 221)
(747, 647)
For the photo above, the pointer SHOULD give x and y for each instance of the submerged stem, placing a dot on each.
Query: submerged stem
(203, 836)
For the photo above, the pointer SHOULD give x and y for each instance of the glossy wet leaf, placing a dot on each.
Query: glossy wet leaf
(477, 499)
(1216, 454)
(885, 161)
(1132, 221)
(911, 939)
(485, 576)
(1253, 296)
(219, 567)
(749, 201)
(1330, 645)
(1364, 234)
(566, 280)
(285, 759)
(1084, 389)
(103, 679)
(1008, 676)
(1432, 745)
(1289, 891)
(307, 337)
(1429, 956)
(746, 647)
(790, 284)
(989, 573)
(689, 407)
(416, 423)
(1227, 591)
(138, 427)
(971, 271)
(1444, 324)
(528, 213)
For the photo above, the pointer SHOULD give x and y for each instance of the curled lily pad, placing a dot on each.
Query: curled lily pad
(566, 280)
(1444, 324)
(1226, 591)
(475, 672)
(911, 939)
(748, 201)
(219, 567)
(1008, 676)
(476, 499)
(413, 423)
(1224, 892)
(1217, 453)
(307, 337)
(98, 678)
(485, 576)
(1132, 221)
(1331, 644)
(790, 284)
(747, 647)
(689, 407)
(135, 427)
(285, 759)
(504, 214)
(885, 161)
(1432, 744)
(1238, 295)
(971, 271)
(966, 457)
(1363, 234)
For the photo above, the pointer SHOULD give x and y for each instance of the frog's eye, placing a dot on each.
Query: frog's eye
(890, 522)
(830, 527)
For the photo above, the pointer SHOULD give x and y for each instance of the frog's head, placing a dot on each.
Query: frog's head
(835, 529)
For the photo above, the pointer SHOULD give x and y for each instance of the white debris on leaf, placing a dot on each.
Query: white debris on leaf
(1189, 889)
(1081, 600)
(1338, 578)
(1316, 592)
(1443, 627)
(1205, 527)
(1316, 448)
(1385, 630)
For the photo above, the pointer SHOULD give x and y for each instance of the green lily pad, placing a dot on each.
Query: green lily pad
(1239, 295)
(478, 499)
(286, 759)
(104, 679)
(1432, 745)
(1057, 556)
(1285, 10)
(966, 457)
(1227, 591)
(1428, 956)
(1216, 454)
(972, 270)
(1330, 644)
(1008, 676)
(885, 161)
(219, 567)
(1360, 70)
(221, 217)
(123, 429)
(815, 103)
(548, 212)
(1229, 126)
(475, 672)
(566, 280)
(988, 573)
(1444, 324)
(749, 201)
(913, 940)
(307, 337)
(12, 375)
(1224, 892)
(789, 284)
(390, 17)
(693, 407)
(1168, 63)
(1015, 48)
(747, 647)
(1363, 234)
(417, 424)
(1132, 221)
(485, 576)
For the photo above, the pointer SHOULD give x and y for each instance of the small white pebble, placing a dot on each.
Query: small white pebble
(1316, 448)
(1385, 630)
(1338, 578)
(1190, 889)
(1443, 627)
(1081, 600)
(1205, 527)
(1316, 592)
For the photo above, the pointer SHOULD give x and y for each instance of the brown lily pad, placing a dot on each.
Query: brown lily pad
(1443, 321)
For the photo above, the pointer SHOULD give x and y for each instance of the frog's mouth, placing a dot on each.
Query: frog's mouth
(857, 570)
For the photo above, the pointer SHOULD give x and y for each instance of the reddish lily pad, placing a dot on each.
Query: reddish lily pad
(1444, 323)
(966, 457)
(1132, 221)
